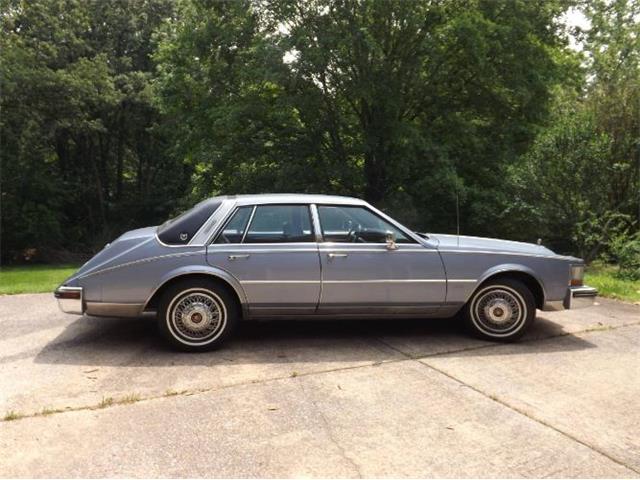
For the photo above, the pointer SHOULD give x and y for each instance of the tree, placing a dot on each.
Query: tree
(578, 186)
(81, 146)
(403, 102)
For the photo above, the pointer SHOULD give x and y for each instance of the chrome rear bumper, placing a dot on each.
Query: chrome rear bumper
(70, 299)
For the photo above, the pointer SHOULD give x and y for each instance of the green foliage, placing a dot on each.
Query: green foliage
(562, 187)
(578, 186)
(81, 141)
(402, 102)
(627, 253)
(606, 278)
(117, 113)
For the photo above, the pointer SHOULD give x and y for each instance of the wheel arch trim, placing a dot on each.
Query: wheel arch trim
(506, 269)
(214, 272)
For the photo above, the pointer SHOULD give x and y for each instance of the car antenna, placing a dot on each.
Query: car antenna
(458, 217)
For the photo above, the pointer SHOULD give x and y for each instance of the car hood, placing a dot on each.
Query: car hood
(461, 242)
(121, 246)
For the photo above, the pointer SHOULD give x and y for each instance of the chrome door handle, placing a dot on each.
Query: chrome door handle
(336, 255)
(237, 257)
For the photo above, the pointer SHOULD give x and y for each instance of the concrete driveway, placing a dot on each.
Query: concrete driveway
(104, 397)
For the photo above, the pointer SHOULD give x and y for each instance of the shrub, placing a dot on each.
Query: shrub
(628, 253)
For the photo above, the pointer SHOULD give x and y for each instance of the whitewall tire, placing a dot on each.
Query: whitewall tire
(500, 310)
(197, 314)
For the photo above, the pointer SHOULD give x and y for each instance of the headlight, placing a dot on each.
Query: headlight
(577, 275)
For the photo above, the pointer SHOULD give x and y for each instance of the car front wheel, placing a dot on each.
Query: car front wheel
(197, 315)
(500, 310)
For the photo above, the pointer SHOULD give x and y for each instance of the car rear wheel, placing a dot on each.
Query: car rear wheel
(501, 310)
(197, 315)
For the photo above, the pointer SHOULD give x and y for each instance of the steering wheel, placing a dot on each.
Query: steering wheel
(353, 234)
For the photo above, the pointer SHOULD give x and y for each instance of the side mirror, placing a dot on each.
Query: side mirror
(390, 238)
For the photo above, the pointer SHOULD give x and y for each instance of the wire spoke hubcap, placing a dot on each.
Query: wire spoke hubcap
(197, 316)
(499, 311)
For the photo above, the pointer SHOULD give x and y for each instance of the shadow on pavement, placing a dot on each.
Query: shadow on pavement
(135, 342)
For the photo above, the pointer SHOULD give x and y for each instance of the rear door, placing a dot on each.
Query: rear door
(360, 275)
(272, 251)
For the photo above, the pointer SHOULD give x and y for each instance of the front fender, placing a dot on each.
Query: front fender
(466, 271)
(510, 267)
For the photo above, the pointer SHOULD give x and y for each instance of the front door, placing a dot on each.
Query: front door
(272, 251)
(360, 275)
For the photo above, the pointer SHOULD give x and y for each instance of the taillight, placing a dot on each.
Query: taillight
(577, 275)
(73, 294)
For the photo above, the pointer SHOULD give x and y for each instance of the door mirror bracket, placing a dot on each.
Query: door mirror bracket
(390, 238)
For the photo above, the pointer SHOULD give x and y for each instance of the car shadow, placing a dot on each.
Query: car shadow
(135, 342)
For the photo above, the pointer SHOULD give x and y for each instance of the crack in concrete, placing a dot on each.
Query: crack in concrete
(423, 361)
(531, 417)
(604, 328)
(329, 430)
(127, 400)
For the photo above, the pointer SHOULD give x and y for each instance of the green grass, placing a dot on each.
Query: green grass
(603, 277)
(33, 278)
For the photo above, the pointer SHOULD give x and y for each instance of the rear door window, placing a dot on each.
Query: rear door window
(280, 224)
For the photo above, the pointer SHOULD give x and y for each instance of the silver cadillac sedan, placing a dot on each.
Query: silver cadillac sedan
(314, 256)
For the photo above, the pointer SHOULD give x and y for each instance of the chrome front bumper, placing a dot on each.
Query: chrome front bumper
(70, 299)
(576, 297)
(580, 297)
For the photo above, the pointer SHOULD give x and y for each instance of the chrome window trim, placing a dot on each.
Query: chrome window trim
(348, 247)
(212, 221)
(265, 250)
(322, 247)
(315, 222)
(315, 218)
(233, 207)
(246, 230)
(213, 237)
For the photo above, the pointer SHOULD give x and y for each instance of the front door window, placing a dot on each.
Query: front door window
(356, 225)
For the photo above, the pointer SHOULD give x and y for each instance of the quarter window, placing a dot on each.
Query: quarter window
(280, 224)
(356, 225)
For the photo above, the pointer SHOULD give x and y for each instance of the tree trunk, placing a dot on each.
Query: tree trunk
(99, 184)
(375, 174)
(120, 156)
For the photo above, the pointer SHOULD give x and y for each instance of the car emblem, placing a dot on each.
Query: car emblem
(183, 236)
